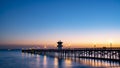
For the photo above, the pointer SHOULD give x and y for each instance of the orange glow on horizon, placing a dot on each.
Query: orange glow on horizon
(70, 41)
(66, 44)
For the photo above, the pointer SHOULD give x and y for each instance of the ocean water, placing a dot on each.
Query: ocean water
(17, 59)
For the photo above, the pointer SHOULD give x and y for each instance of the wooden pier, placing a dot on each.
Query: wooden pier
(109, 54)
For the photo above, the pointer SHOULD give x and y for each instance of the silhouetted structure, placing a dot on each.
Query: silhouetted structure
(105, 53)
(59, 45)
(110, 54)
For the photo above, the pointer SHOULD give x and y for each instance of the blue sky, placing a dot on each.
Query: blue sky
(42, 21)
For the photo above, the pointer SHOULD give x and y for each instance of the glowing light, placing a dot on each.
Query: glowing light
(55, 61)
(30, 48)
(45, 60)
(38, 60)
(68, 62)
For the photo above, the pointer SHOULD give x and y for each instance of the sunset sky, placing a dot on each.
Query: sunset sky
(78, 23)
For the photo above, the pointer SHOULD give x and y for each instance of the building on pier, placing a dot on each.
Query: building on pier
(59, 45)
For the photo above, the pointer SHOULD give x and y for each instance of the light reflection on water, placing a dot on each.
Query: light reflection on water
(26, 60)
(37, 60)
(45, 61)
(97, 63)
(68, 62)
(56, 61)
(61, 63)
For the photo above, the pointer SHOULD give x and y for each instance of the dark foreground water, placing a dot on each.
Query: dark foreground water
(17, 59)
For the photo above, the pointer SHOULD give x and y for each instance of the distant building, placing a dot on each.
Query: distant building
(59, 45)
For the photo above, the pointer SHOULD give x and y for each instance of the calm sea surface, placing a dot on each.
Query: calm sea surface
(17, 59)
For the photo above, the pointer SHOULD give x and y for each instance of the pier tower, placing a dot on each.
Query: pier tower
(59, 45)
